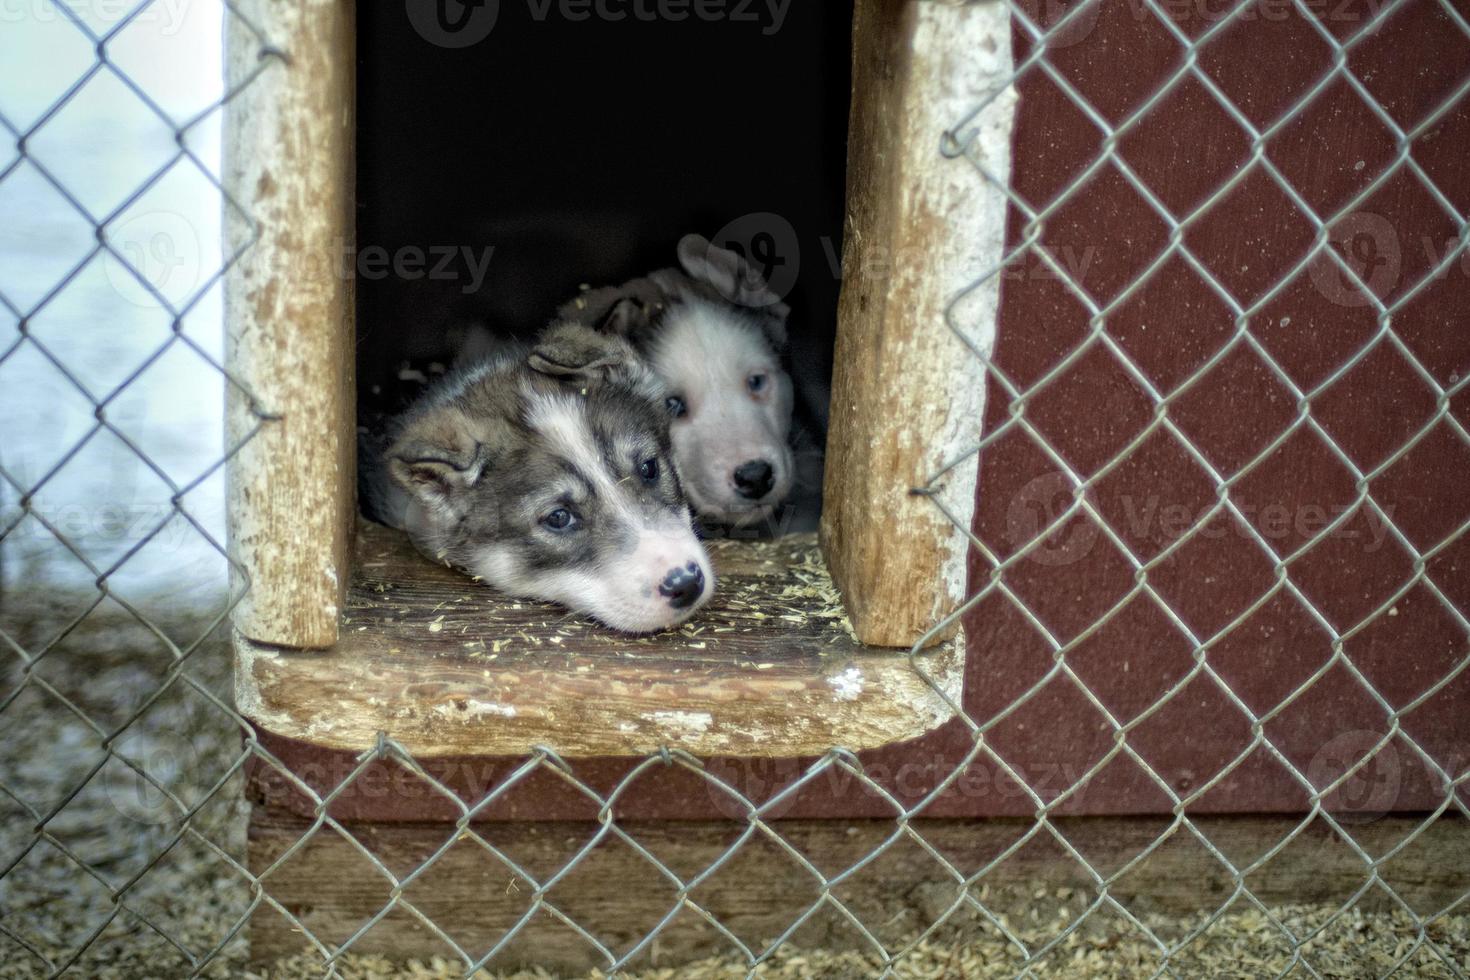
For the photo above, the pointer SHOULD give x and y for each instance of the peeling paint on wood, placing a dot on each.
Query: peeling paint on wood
(907, 391)
(289, 164)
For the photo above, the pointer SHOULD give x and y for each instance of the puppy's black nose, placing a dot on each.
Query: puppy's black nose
(754, 479)
(683, 586)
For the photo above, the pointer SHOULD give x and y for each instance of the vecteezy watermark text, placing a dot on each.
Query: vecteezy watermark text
(461, 23)
(770, 14)
(1068, 23)
(1039, 505)
(168, 15)
(160, 257)
(109, 523)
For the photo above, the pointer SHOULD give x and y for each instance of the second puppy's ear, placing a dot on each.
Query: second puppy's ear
(729, 274)
(572, 352)
(625, 316)
(773, 325)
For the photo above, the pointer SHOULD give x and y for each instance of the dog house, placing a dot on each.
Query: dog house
(786, 666)
(1095, 329)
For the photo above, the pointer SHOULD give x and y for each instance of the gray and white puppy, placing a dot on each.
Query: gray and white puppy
(714, 332)
(549, 475)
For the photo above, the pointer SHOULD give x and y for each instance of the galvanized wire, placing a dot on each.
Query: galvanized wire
(958, 141)
(758, 818)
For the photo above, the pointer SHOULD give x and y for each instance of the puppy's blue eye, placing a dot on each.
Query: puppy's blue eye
(560, 519)
(756, 383)
(648, 469)
(676, 406)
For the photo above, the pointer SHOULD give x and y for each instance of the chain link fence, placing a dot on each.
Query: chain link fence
(119, 776)
(123, 845)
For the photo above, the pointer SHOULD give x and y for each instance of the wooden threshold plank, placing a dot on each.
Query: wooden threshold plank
(449, 667)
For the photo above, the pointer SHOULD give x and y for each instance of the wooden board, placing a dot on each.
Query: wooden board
(907, 384)
(449, 667)
(289, 164)
(1367, 610)
(331, 889)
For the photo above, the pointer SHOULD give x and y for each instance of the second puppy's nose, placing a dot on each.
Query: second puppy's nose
(683, 586)
(754, 479)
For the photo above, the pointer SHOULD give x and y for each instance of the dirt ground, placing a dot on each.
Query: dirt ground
(1240, 944)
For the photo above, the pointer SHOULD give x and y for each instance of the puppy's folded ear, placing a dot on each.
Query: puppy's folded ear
(625, 316)
(583, 359)
(437, 467)
(623, 311)
(574, 353)
(730, 275)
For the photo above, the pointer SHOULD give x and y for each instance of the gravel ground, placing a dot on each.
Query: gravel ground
(117, 859)
(107, 832)
(1242, 944)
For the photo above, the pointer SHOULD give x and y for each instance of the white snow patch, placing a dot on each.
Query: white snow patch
(693, 721)
(848, 684)
(474, 708)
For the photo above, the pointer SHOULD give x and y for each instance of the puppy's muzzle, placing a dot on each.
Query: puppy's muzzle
(683, 586)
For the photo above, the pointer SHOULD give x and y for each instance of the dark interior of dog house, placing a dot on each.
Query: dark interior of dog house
(560, 152)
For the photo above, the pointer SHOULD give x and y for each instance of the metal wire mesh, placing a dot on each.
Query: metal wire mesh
(196, 821)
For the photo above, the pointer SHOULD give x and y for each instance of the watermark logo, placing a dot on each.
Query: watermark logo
(1042, 502)
(768, 243)
(1369, 246)
(1049, 16)
(453, 23)
(169, 761)
(769, 14)
(438, 263)
(158, 259)
(1373, 249)
(156, 256)
(166, 15)
(106, 525)
(751, 783)
(1033, 510)
(461, 23)
(1372, 789)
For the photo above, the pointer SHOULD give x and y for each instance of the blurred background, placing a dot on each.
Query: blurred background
(97, 153)
(120, 807)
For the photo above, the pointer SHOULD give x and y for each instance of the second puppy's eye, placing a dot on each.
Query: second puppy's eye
(648, 469)
(676, 406)
(756, 383)
(560, 519)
